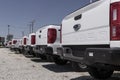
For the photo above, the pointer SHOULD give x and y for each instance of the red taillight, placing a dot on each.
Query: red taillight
(115, 21)
(10, 43)
(14, 41)
(25, 41)
(52, 34)
(32, 39)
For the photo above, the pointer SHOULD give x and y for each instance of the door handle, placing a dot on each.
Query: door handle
(78, 17)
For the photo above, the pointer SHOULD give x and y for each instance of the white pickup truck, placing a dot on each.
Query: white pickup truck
(19, 45)
(15, 44)
(9, 43)
(91, 36)
(23, 44)
(47, 41)
(29, 43)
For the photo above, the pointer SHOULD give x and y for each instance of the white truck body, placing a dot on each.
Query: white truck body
(42, 37)
(47, 42)
(9, 43)
(30, 39)
(25, 42)
(91, 32)
(19, 43)
(91, 36)
(30, 43)
(16, 43)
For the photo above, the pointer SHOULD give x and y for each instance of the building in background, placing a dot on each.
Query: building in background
(9, 37)
(2, 41)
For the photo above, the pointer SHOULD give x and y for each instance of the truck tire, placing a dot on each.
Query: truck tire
(59, 61)
(43, 57)
(49, 58)
(78, 67)
(33, 54)
(20, 51)
(25, 52)
(100, 73)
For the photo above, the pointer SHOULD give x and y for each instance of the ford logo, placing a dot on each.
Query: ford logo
(77, 27)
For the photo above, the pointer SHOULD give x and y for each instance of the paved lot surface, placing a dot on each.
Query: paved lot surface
(17, 67)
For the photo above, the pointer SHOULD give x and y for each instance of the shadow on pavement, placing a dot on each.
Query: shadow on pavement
(37, 60)
(29, 56)
(58, 68)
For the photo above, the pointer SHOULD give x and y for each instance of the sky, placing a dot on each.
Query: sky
(20, 13)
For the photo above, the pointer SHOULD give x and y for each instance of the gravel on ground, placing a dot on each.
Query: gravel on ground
(18, 67)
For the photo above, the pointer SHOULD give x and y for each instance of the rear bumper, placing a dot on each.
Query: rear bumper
(15, 48)
(66, 53)
(49, 51)
(52, 49)
(92, 55)
(27, 48)
(39, 49)
(102, 55)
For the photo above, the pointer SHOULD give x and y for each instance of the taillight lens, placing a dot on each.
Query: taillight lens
(115, 21)
(33, 39)
(52, 34)
(25, 41)
(14, 41)
(10, 43)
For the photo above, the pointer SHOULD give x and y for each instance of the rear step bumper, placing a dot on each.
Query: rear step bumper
(102, 55)
(93, 55)
(49, 51)
(66, 53)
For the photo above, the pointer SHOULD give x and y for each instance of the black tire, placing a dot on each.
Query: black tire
(59, 61)
(100, 73)
(20, 51)
(78, 67)
(49, 58)
(25, 52)
(43, 57)
(33, 54)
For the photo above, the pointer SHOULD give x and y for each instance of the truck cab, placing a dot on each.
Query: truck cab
(90, 37)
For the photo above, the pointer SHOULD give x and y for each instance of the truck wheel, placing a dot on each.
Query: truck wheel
(100, 73)
(78, 67)
(26, 53)
(49, 58)
(59, 61)
(43, 57)
(20, 51)
(33, 54)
